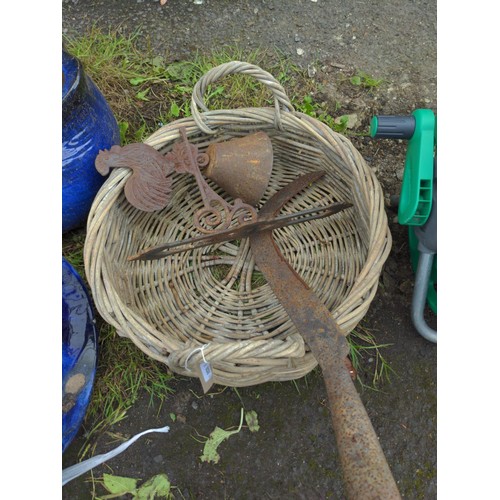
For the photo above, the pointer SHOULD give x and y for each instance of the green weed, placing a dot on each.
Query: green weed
(363, 79)
(311, 108)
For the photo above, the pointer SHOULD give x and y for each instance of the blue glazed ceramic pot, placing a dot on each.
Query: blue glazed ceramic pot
(79, 352)
(88, 125)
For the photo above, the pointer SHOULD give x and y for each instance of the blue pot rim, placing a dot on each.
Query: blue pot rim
(80, 342)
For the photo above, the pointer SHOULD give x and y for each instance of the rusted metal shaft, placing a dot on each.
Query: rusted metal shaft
(365, 469)
(366, 472)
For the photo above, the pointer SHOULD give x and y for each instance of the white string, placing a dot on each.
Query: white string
(80, 468)
(192, 352)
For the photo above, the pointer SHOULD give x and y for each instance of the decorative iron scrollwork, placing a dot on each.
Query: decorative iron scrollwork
(217, 214)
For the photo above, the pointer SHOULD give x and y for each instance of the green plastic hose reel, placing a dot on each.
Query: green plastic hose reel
(417, 202)
(416, 191)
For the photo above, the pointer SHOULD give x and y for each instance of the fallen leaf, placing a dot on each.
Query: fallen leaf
(217, 436)
(156, 487)
(118, 485)
(252, 420)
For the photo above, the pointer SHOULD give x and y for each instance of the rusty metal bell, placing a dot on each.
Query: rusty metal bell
(242, 166)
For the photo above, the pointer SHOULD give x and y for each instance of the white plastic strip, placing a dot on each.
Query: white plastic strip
(76, 470)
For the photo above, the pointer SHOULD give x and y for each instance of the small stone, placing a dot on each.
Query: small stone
(352, 120)
(300, 52)
(158, 459)
(195, 405)
(406, 286)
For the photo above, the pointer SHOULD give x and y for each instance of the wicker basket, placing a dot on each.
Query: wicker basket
(212, 302)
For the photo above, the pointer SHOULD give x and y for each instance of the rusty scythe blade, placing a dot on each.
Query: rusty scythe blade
(366, 472)
(241, 231)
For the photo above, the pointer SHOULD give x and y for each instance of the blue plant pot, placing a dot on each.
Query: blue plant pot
(88, 125)
(79, 352)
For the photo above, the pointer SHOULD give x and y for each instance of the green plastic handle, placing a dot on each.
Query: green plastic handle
(415, 202)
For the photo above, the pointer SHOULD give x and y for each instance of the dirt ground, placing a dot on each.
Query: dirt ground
(293, 455)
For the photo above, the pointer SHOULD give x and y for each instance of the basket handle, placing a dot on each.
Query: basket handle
(231, 68)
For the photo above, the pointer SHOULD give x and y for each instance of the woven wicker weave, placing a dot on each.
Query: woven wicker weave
(214, 297)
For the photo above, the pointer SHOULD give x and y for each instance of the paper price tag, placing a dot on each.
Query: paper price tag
(205, 375)
(206, 371)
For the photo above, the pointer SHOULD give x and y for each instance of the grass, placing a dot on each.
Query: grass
(73, 250)
(362, 344)
(364, 80)
(146, 91)
(123, 373)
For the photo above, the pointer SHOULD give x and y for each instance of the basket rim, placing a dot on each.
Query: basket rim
(348, 314)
